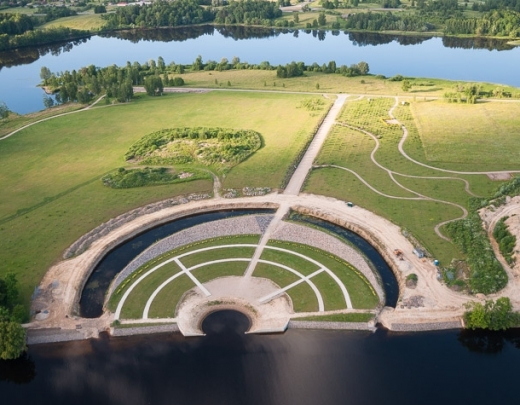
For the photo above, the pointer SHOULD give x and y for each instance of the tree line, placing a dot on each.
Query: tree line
(40, 37)
(117, 82)
(12, 314)
(489, 5)
(494, 23)
(387, 22)
(250, 12)
(295, 69)
(159, 14)
(189, 12)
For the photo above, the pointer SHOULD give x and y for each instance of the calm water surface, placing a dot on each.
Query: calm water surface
(228, 367)
(472, 60)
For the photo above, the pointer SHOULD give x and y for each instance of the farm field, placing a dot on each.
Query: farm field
(50, 172)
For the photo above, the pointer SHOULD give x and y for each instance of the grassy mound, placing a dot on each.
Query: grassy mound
(218, 147)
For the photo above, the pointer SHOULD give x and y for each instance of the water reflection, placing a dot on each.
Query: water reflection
(25, 56)
(295, 368)
(489, 342)
(374, 38)
(19, 371)
(491, 44)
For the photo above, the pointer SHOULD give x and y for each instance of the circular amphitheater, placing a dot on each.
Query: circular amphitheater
(276, 271)
(295, 272)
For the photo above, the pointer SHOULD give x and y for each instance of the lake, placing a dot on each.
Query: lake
(457, 59)
(227, 367)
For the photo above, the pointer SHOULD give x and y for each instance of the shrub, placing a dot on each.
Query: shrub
(491, 315)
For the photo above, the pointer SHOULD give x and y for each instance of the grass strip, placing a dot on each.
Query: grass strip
(350, 317)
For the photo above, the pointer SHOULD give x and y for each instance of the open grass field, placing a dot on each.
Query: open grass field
(50, 172)
(328, 83)
(15, 121)
(91, 22)
(332, 83)
(469, 137)
(142, 283)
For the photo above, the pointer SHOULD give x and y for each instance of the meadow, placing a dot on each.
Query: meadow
(50, 172)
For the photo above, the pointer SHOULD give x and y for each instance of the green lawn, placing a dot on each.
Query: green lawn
(352, 317)
(418, 217)
(166, 301)
(49, 172)
(294, 262)
(279, 276)
(303, 298)
(351, 149)
(361, 292)
(161, 275)
(217, 254)
(210, 272)
(136, 301)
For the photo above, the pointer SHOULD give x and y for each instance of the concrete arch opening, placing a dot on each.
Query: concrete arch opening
(226, 322)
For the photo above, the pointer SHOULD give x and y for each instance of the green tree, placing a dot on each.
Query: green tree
(12, 340)
(4, 111)
(45, 74)
(197, 64)
(160, 64)
(153, 85)
(322, 20)
(296, 17)
(363, 68)
(493, 315)
(406, 85)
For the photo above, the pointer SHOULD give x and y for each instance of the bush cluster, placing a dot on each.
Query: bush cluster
(208, 146)
(506, 241)
(123, 178)
(491, 315)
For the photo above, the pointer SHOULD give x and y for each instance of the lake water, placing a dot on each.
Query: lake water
(468, 59)
(299, 367)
